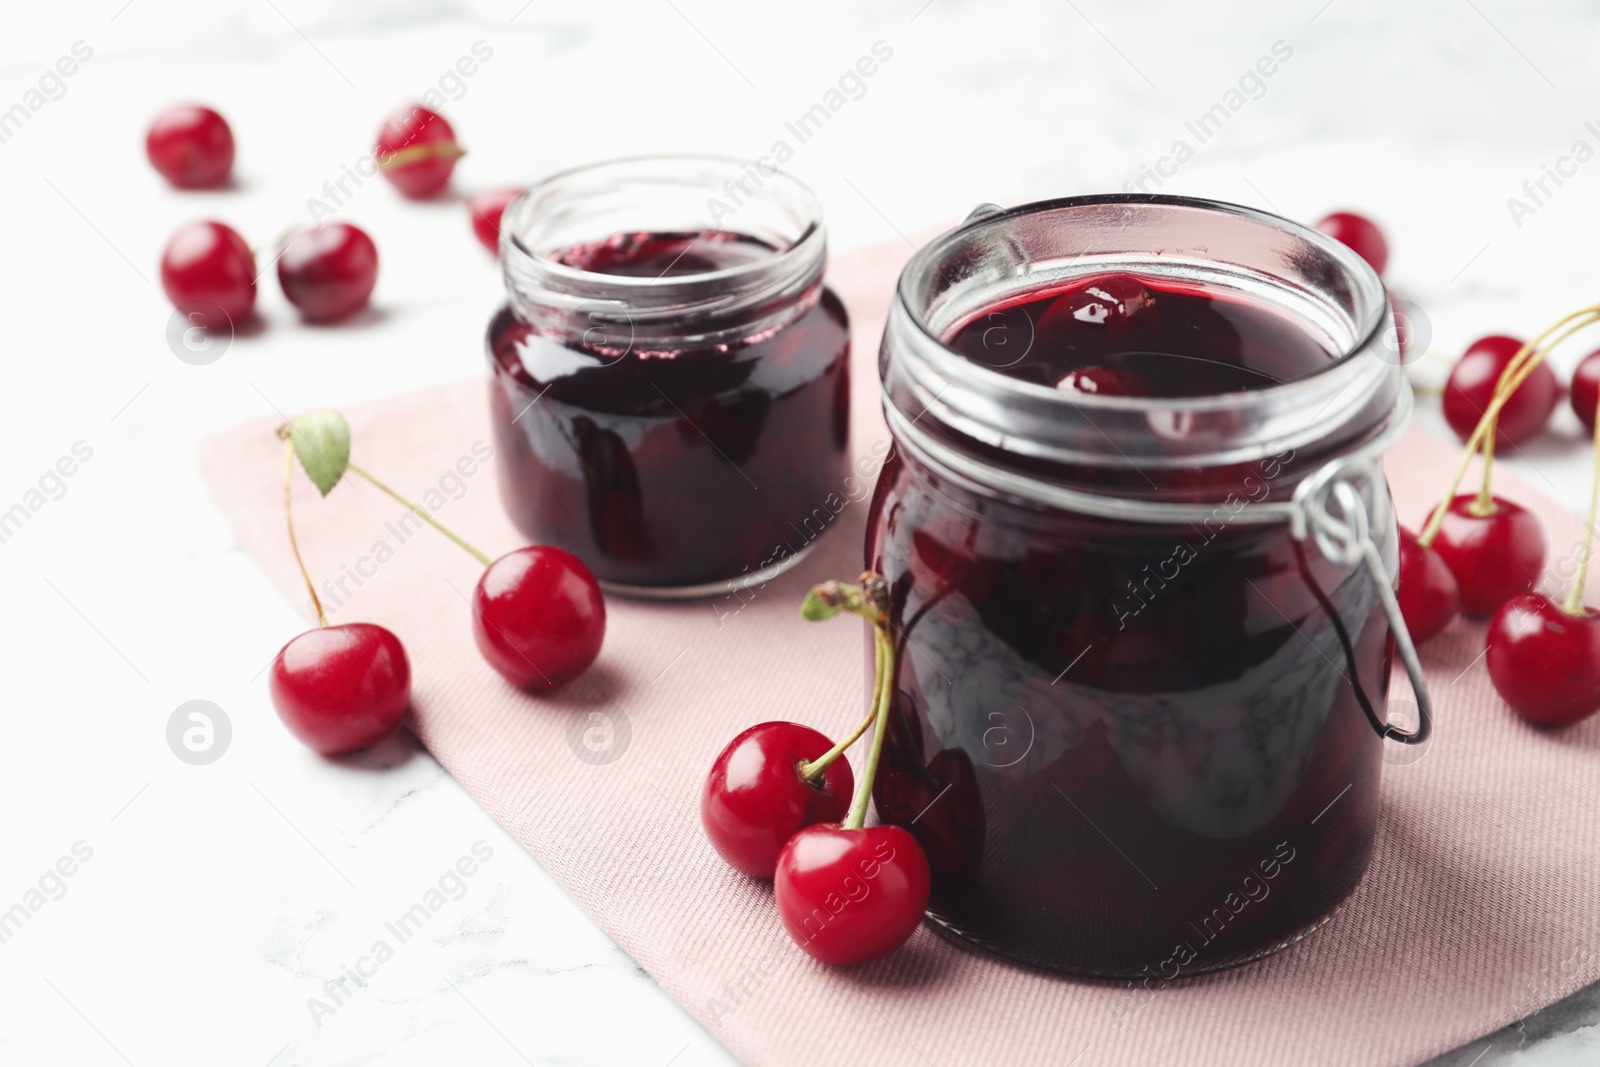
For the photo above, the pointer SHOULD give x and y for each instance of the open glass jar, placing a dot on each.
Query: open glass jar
(670, 391)
(1145, 621)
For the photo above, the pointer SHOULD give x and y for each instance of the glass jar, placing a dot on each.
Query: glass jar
(670, 391)
(1145, 640)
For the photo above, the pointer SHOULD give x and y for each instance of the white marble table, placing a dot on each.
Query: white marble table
(206, 904)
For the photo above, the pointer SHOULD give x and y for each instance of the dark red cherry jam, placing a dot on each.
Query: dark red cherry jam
(665, 255)
(1126, 335)
(1129, 748)
(668, 464)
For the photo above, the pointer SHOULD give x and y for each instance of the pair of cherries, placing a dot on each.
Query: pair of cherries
(538, 619)
(1482, 555)
(1484, 552)
(781, 803)
(209, 272)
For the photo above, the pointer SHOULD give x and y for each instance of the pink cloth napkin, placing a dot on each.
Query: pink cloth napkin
(1482, 903)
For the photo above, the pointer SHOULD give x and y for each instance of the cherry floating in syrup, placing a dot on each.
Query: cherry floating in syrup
(1117, 302)
(1102, 381)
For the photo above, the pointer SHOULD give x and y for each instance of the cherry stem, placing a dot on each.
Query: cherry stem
(870, 601)
(294, 544)
(1574, 602)
(419, 153)
(883, 698)
(480, 556)
(812, 770)
(1527, 358)
(1484, 506)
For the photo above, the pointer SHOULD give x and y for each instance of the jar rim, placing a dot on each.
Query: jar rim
(928, 259)
(998, 257)
(779, 191)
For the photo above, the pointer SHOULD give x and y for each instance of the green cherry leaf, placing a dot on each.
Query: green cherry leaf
(322, 441)
(818, 608)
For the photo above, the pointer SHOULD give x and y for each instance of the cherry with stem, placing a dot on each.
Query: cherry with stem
(1475, 378)
(1529, 356)
(846, 892)
(777, 778)
(1543, 657)
(416, 150)
(538, 615)
(337, 688)
(1494, 548)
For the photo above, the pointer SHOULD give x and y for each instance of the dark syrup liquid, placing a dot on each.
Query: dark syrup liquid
(672, 466)
(1128, 749)
(665, 255)
(1160, 337)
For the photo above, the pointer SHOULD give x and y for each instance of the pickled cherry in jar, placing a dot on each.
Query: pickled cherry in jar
(1129, 725)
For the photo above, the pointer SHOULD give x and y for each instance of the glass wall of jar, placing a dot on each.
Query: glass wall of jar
(1133, 724)
(670, 391)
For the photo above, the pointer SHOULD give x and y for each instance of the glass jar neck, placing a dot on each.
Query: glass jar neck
(676, 195)
(942, 403)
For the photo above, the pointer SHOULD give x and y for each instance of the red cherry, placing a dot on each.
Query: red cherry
(1429, 596)
(538, 616)
(1586, 389)
(329, 272)
(1115, 301)
(340, 688)
(1471, 387)
(417, 150)
(942, 807)
(1361, 234)
(1494, 557)
(191, 146)
(1544, 662)
(486, 210)
(755, 800)
(1103, 381)
(208, 265)
(848, 896)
